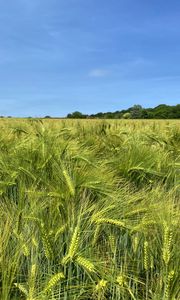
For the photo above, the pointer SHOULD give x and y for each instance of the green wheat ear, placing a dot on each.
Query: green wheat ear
(167, 244)
(85, 263)
(112, 242)
(73, 246)
(69, 182)
(46, 243)
(146, 256)
(100, 289)
(96, 234)
(74, 243)
(32, 281)
(121, 281)
(21, 288)
(53, 281)
(168, 283)
(101, 285)
(60, 231)
(110, 221)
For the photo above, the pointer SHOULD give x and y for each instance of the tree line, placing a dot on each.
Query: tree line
(162, 111)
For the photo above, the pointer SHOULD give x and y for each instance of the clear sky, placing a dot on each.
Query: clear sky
(58, 56)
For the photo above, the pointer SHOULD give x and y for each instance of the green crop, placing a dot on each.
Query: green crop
(89, 209)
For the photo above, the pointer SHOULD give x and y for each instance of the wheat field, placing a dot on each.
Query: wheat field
(89, 209)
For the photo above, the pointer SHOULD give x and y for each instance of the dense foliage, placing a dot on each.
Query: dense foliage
(89, 210)
(136, 112)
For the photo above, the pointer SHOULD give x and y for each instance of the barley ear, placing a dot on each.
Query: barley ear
(53, 281)
(96, 235)
(110, 221)
(32, 280)
(46, 243)
(85, 263)
(146, 256)
(167, 244)
(69, 182)
(74, 243)
(168, 284)
(21, 288)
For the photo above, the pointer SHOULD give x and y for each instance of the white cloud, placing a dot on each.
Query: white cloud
(98, 73)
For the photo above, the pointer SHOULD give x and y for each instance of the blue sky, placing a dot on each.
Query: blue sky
(58, 56)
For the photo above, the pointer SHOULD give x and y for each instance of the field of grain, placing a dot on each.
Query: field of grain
(89, 209)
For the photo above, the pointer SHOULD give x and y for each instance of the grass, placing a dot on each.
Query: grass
(89, 209)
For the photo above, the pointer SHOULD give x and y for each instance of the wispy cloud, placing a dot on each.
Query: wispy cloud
(123, 68)
(99, 73)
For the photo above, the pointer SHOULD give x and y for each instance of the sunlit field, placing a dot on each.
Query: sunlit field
(89, 209)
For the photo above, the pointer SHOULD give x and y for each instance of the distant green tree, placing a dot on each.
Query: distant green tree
(136, 111)
(176, 111)
(76, 115)
(144, 114)
(126, 115)
(99, 115)
(162, 111)
(109, 115)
